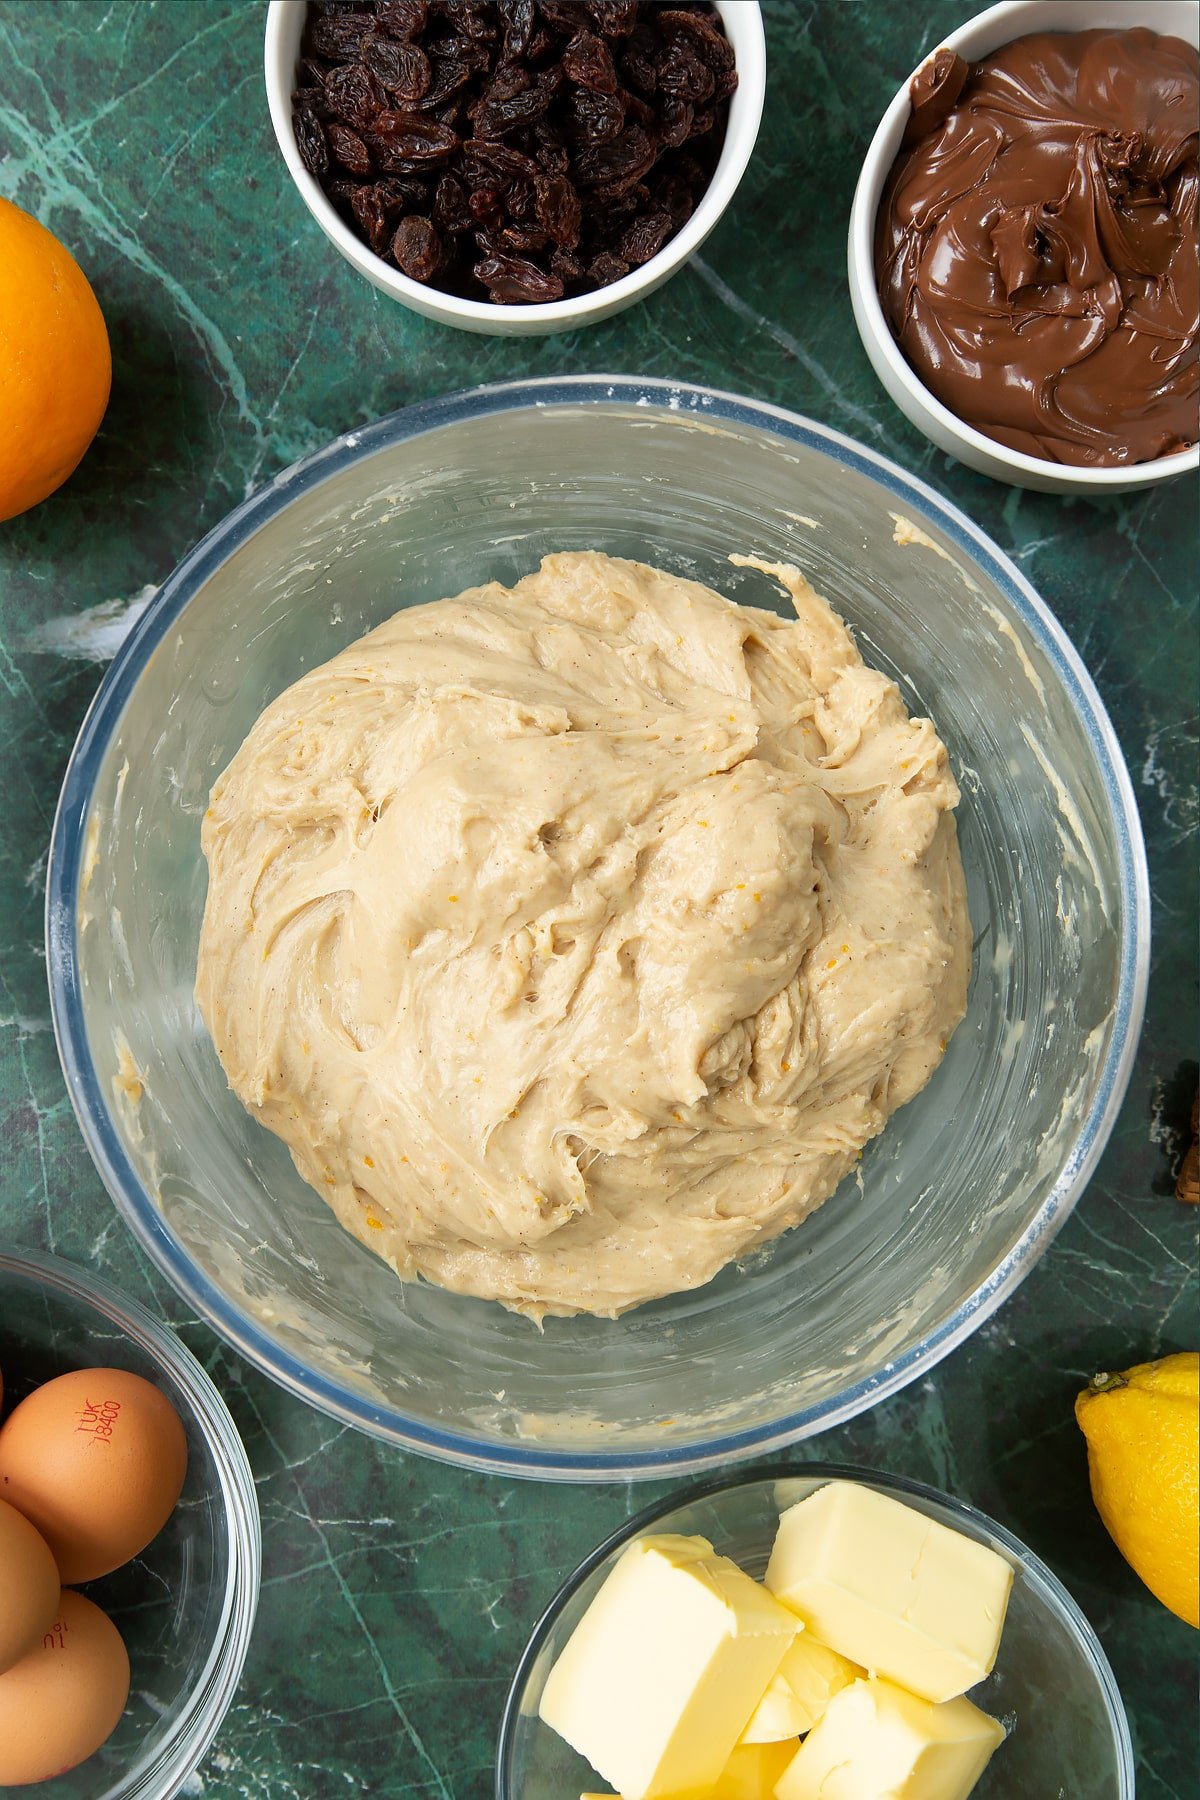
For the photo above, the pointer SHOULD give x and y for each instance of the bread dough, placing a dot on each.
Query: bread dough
(575, 937)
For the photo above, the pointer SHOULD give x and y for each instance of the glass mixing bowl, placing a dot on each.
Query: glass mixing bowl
(1051, 1687)
(186, 1605)
(969, 1182)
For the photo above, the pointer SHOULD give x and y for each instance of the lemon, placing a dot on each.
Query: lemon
(1143, 1436)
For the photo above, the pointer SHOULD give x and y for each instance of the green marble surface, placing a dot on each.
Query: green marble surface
(397, 1593)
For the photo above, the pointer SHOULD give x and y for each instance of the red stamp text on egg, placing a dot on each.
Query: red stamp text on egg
(98, 1418)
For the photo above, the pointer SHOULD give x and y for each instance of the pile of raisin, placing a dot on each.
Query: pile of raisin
(513, 150)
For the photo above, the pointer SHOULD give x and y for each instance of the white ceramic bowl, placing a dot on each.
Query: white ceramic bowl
(986, 32)
(742, 20)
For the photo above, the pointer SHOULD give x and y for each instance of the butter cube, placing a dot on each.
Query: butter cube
(890, 1589)
(809, 1676)
(876, 1742)
(658, 1679)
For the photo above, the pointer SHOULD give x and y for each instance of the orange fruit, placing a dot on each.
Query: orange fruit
(55, 363)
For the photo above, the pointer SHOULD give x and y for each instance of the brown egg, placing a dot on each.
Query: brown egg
(29, 1586)
(60, 1703)
(96, 1460)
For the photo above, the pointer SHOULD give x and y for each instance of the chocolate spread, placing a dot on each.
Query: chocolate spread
(1036, 249)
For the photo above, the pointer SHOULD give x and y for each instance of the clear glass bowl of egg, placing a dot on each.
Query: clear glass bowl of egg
(1051, 1687)
(185, 1605)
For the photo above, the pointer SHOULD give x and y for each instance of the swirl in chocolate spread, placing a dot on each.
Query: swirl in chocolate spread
(1035, 246)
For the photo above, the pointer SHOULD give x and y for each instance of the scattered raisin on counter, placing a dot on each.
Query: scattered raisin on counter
(513, 150)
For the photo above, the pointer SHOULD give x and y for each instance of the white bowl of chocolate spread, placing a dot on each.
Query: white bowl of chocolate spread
(1022, 255)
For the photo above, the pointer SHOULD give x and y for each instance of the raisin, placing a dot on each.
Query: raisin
(417, 249)
(675, 121)
(593, 118)
(613, 166)
(587, 62)
(515, 280)
(405, 141)
(402, 68)
(684, 75)
(353, 95)
(338, 36)
(607, 268)
(700, 34)
(450, 210)
(376, 214)
(558, 209)
(402, 18)
(645, 237)
(495, 118)
(310, 141)
(348, 149)
(567, 266)
(517, 17)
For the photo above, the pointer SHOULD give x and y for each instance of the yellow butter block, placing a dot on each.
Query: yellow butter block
(877, 1742)
(890, 1589)
(660, 1676)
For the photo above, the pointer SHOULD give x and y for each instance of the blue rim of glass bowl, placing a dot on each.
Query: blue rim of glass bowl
(209, 1699)
(66, 851)
(901, 1486)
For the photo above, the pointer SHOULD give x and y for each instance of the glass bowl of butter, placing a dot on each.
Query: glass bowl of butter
(947, 1210)
(822, 1631)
